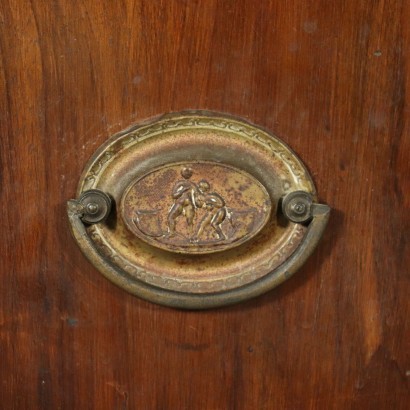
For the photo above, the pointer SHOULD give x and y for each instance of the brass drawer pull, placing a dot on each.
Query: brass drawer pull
(196, 210)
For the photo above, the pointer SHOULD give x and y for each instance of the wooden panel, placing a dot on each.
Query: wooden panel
(328, 77)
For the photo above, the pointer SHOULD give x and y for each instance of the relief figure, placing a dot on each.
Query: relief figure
(216, 211)
(188, 199)
(184, 203)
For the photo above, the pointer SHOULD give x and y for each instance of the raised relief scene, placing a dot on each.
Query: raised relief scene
(197, 207)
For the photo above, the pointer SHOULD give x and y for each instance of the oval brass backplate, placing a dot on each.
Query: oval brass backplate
(196, 210)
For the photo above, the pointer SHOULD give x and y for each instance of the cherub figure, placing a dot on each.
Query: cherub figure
(184, 204)
(216, 209)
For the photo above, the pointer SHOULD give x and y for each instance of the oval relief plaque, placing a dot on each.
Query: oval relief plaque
(196, 207)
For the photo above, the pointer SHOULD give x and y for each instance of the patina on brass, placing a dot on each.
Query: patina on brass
(196, 207)
(196, 221)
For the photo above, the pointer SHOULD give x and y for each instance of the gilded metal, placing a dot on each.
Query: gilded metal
(196, 207)
(207, 210)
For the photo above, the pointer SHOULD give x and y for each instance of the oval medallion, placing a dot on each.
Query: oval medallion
(196, 207)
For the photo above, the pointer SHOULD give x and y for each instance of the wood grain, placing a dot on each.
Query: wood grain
(330, 78)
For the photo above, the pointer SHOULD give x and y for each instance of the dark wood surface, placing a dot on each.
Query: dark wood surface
(330, 78)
